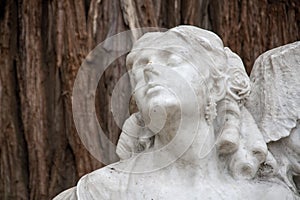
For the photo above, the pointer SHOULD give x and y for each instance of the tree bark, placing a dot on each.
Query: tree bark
(42, 45)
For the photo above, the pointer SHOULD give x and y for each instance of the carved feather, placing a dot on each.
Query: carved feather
(274, 100)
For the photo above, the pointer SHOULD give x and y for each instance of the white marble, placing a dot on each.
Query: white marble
(204, 130)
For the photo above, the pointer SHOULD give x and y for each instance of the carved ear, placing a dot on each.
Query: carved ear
(218, 90)
(238, 82)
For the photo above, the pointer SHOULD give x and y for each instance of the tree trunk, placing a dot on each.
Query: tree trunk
(42, 45)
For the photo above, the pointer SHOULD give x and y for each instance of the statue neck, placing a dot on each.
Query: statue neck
(197, 146)
(202, 152)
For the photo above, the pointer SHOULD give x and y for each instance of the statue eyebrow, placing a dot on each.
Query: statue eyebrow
(175, 49)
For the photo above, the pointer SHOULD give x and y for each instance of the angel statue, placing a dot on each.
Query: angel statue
(204, 129)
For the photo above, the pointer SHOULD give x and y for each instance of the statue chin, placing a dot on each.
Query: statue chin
(236, 142)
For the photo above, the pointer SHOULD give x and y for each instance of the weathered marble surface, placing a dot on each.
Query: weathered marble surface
(204, 130)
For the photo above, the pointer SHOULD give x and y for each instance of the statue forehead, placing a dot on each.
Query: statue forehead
(200, 47)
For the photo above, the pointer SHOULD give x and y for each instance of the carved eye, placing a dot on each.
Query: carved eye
(141, 62)
(174, 60)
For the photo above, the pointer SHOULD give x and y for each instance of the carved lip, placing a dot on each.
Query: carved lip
(153, 88)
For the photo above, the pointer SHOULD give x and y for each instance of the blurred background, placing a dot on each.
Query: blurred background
(42, 45)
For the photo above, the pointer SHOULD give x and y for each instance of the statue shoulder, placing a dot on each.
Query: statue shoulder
(104, 183)
(69, 194)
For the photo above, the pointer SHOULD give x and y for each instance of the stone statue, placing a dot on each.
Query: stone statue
(204, 129)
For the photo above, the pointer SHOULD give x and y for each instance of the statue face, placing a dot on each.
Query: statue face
(159, 77)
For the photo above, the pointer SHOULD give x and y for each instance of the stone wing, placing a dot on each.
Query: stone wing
(274, 100)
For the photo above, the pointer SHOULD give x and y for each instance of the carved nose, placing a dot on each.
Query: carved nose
(149, 73)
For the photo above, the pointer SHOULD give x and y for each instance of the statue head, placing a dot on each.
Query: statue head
(160, 62)
(164, 65)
